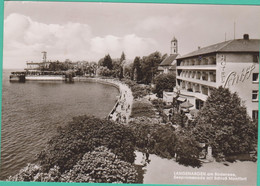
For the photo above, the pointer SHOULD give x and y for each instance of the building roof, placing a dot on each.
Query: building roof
(174, 39)
(168, 61)
(238, 45)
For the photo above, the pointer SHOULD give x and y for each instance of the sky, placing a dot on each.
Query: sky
(89, 31)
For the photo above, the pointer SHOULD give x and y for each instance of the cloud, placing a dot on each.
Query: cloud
(131, 44)
(25, 39)
(159, 23)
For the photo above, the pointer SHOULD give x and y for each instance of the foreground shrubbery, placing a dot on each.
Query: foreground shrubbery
(83, 135)
(98, 166)
(101, 166)
(34, 172)
(157, 138)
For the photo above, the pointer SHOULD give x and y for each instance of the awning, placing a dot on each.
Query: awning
(181, 99)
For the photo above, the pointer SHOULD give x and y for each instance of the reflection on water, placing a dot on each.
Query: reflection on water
(161, 171)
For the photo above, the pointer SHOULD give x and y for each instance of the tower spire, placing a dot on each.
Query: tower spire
(44, 57)
(174, 46)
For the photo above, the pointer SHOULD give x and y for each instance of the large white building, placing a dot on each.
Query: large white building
(232, 64)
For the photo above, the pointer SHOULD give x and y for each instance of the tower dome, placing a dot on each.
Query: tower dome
(174, 46)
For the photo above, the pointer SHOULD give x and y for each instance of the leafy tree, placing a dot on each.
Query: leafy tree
(128, 71)
(137, 71)
(179, 119)
(148, 133)
(224, 124)
(164, 82)
(82, 135)
(101, 62)
(117, 71)
(108, 62)
(121, 69)
(101, 166)
(122, 58)
(149, 66)
(104, 71)
(121, 72)
(187, 149)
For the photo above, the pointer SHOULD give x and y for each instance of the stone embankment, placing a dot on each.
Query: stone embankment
(122, 109)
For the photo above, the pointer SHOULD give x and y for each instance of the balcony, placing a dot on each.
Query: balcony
(198, 81)
(198, 95)
(197, 67)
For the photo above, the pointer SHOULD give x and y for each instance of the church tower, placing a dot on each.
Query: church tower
(174, 46)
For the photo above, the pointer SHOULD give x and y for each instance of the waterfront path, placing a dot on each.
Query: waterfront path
(122, 110)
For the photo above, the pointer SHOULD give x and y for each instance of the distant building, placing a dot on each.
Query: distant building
(168, 65)
(38, 66)
(232, 64)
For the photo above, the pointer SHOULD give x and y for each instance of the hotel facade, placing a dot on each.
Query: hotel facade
(232, 64)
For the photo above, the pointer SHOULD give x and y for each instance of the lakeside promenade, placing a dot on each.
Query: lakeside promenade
(122, 109)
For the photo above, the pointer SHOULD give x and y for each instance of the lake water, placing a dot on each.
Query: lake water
(32, 111)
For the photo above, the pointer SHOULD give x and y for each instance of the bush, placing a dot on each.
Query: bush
(158, 138)
(101, 166)
(179, 119)
(160, 106)
(33, 172)
(83, 135)
(138, 90)
(142, 108)
(187, 149)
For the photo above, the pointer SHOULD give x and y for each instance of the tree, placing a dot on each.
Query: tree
(148, 133)
(83, 135)
(122, 58)
(108, 62)
(128, 71)
(101, 166)
(179, 119)
(224, 124)
(187, 149)
(164, 82)
(149, 66)
(137, 69)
